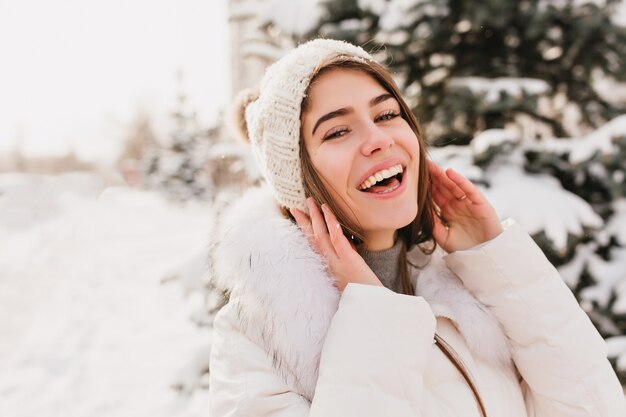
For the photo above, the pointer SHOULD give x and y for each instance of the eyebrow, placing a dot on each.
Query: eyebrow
(347, 110)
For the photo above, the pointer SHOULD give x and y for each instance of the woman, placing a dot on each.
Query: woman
(339, 303)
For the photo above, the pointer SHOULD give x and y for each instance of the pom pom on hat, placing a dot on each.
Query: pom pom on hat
(272, 121)
(237, 113)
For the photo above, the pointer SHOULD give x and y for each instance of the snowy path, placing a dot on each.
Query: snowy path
(88, 327)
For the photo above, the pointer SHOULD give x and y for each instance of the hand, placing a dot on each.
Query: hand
(470, 219)
(326, 237)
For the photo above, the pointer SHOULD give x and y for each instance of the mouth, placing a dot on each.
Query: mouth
(383, 181)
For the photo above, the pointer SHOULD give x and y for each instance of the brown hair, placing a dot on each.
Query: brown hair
(420, 229)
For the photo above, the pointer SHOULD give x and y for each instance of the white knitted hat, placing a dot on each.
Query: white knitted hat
(273, 119)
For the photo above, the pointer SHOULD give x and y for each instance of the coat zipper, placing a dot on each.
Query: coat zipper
(454, 357)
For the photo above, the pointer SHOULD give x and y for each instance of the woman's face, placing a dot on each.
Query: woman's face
(365, 153)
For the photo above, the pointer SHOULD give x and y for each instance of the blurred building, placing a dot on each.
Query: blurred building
(252, 48)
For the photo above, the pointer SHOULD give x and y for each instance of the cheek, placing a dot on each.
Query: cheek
(333, 167)
(408, 137)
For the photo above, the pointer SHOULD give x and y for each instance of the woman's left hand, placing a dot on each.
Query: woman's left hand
(470, 219)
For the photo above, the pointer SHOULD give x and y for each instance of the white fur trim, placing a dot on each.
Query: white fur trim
(286, 300)
(448, 298)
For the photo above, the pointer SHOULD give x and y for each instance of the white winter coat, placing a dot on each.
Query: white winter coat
(288, 344)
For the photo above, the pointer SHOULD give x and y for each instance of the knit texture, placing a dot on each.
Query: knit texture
(273, 120)
(385, 265)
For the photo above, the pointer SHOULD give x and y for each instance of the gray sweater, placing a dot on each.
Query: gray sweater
(384, 263)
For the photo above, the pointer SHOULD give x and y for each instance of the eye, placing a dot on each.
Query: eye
(387, 115)
(335, 133)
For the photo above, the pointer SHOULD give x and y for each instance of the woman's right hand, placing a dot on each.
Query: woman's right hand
(326, 237)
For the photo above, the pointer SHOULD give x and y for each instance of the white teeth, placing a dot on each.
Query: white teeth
(380, 175)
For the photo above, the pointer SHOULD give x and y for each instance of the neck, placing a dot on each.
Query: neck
(379, 240)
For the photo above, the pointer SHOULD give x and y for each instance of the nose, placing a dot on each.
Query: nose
(375, 139)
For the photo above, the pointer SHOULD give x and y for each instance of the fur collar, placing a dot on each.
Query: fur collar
(286, 300)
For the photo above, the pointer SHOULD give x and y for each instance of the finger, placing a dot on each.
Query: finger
(307, 228)
(439, 198)
(320, 231)
(442, 178)
(337, 238)
(302, 219)
(452, 187)
(466, 186)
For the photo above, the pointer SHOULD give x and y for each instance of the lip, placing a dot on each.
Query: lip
(387, 163)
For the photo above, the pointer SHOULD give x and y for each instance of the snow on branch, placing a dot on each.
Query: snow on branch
(459, 158)
(539, 203)
(493, 138)
(296, 17)
(617, 225)
(492, 88)
(616, 347)
(610, 277)
(600, 140)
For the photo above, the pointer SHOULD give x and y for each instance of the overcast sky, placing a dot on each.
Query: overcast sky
(75, 73)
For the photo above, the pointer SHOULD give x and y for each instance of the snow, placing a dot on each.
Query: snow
(377, 7)
(582, 149)
(435, 76)
(561, 4)
(492, 88)
(351, 24)
(619, 17)
(617, 224)
(399, 14)
(599, 141)
(459, 158)
(616, 346)
(570, 272)
(93, 311)
(493, 137)
(27, 199)
(296, 17)
(608, 276)
(539, 203)
(557, 146)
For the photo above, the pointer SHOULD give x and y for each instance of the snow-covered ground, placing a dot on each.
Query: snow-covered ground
(93, 321)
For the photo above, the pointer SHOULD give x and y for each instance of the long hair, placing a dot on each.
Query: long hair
(420, 229)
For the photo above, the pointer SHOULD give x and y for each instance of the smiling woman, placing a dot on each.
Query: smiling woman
(340, 303)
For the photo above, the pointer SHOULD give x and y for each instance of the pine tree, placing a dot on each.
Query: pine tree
(180, 169)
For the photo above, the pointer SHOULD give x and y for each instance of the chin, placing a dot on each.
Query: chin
(393, 221)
